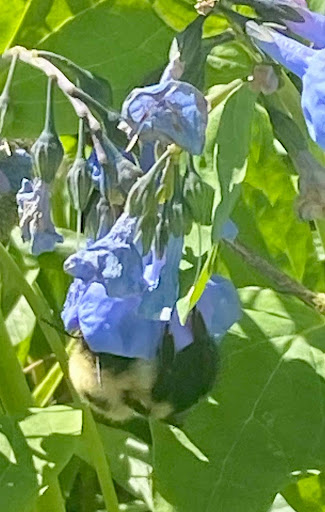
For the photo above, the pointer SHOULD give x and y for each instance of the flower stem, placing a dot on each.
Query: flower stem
(4, 98)
(49, 116)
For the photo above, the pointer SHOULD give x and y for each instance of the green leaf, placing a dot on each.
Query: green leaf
(176, 13)
(21, 332)
(307, 494)
(52, 434)
(121, 52)
(205, 164)
(269, 194)
(18, 478)
(227, 62)
(130, 461)
(254, 430)
(234, 131)
(317, 5)
(11, 12)
(33, 451)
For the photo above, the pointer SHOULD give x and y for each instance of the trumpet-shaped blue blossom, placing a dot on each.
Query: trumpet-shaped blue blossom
(306, 63)
(311, 26)
(171, 111)
(122, 301)
(35, 218)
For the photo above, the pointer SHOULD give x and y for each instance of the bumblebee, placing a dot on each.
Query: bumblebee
(120, 387)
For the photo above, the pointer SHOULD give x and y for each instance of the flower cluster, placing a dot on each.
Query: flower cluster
(123, 301)
(302, 60)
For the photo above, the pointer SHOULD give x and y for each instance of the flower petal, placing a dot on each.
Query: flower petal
(159, 302)
(219, 306)
(112, 325)
(170, 111)
(290, 53)
(69, 314)
(312, 98)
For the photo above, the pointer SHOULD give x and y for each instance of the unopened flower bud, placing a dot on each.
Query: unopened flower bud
(47, 152)
(80, 183)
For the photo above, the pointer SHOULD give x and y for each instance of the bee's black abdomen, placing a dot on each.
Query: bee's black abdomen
(191, 373)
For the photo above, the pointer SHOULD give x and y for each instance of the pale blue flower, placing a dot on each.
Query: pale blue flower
(171, 111)
(311, 26)
(35, 218)
(113, 325)
(306, 63)
(122, 301)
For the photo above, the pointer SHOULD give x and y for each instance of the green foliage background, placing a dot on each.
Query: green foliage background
(262, 430)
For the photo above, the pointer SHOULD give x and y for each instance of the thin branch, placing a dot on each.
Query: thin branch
(282, 282)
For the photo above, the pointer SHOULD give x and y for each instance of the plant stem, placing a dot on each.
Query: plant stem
(49, 115)
(282, 282)
(4, 98)
(96, 448)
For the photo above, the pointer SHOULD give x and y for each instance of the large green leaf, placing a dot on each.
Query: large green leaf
(18, 478)
(123, 41)
(269, 194)
(227, 62)
(308, 493)
(11, 15)
(240, 447)
(33, 451)
(51, 434)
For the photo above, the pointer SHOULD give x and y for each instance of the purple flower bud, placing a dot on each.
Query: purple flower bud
(35, 218)
(174, 69)
(170, 111)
